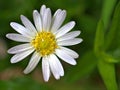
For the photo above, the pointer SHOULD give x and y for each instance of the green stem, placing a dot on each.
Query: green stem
(107, 72)
(108, 6)
(115, 23)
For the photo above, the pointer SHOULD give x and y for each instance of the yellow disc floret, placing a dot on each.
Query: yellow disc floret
(44, 43)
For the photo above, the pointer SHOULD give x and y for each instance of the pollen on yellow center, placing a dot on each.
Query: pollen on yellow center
(44, 43)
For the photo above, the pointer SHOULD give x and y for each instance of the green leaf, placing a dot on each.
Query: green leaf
(107, 72)
(85, 66)
(99, 38)
(116, 53)
(108, 6)
(109, 58)
(115, 23)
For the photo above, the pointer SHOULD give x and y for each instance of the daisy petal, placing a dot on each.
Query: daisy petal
(19, 48)
(65, 57)
(54, 17)
(37, 20)
(20, 56)
(42, 10)
(70, 42)
(64, 29)
(21, 29)
(54, 68)
(33, 63)
(70, 52)
(45, 69)
(18, 37)
(69, 35)
(57, 65)
(58, 19)
(57, 13)
(47, 19)
(27, 23)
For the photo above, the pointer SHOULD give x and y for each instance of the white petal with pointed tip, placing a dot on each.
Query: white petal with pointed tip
(18, 37)
(54, 68)
(70, 52)
(69, 35)
(57, 64)
(57, 13)
(47, 19)
(64, 29)
(27, 23)
(45, 68)
(21, 29)
(37, 20)
(33, 62)
(58, 19)
(42, 10)
(70, 42)
(20, 56)
(65, 57)
(53, 20)
(20, 48)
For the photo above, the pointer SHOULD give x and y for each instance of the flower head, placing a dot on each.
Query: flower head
(46, 40)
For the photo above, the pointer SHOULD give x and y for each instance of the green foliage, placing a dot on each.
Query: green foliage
(3, 65)
(109, 58)
(85, 66)
(107, 72)
(110, 37)
(22, 84)
(11, 10)
(99, 39)
(108, 6)
(105, 61)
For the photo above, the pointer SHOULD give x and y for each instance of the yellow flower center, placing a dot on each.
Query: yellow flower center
(44, 43)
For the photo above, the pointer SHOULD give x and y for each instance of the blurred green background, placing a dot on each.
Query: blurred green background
(83, 76)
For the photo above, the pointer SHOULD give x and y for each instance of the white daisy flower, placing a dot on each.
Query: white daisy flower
(46, 40)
